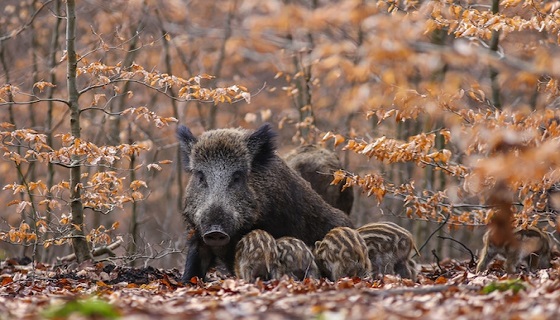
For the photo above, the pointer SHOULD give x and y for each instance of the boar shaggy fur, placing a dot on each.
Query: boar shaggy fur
(238, 184)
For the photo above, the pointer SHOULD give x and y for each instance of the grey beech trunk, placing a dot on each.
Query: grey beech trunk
(53, 48)
(79, 242)
(494, 42)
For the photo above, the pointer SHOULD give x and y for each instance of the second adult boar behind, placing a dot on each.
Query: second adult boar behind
(238, 184)
(316, 165)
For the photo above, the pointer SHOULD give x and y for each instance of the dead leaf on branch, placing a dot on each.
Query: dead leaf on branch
(42, 84)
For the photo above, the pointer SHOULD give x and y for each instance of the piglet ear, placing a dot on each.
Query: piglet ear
(261, 145)
(187, 140)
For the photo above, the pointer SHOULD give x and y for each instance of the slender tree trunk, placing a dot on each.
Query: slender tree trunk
(35, 67)
(114, 123)
(352, 114)
(79, 242)
(303, 98)
(175, 108)
(11, 116)
(306, 109)
(30, 174)
(49, 121)
(132, 246)
(494, 41)
(216, 72)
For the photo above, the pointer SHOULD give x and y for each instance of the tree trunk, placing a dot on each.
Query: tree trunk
(494, 41)
(53, 48)
(79, 242)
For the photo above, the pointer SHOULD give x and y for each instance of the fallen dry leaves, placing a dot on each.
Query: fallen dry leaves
(98, 291)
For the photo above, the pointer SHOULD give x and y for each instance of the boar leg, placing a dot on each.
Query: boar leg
(537, 261)
(487, 255)
(411, 266)
(387, 267)
(199, 258)
(403, 270)
(325, 271)
(532, 261)
(229, 259)
(512, 262)
(377, 270)
(544, 261)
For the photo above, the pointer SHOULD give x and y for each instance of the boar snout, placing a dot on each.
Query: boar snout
(216, 236)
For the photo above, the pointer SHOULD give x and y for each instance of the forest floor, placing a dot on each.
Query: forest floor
(449, 290)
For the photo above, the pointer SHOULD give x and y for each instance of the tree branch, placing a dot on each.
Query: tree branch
(444, 222)
(107, 249)
(473, 260)
(26, 25)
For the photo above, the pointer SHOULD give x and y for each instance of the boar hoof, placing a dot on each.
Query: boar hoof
(216, 237)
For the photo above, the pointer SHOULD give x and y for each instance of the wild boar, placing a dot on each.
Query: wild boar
(237, 184)
(316, 165)
(529, 246)
(295, 259)
(342, 253)
(256, 256)
(389, 249)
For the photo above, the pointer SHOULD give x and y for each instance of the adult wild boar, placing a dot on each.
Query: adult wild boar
(316, 165)
(238, 184)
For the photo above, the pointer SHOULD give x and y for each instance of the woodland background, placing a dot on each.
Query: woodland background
(439, 110)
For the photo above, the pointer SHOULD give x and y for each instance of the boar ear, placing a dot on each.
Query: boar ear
(187, 140)
(261, 145)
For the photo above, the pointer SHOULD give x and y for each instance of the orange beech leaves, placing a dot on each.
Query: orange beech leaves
(98, 290)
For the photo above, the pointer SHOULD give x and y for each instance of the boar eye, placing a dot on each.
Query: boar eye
(200, 178)
(237, 178)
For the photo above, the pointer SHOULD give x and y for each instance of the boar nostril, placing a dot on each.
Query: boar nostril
(215, 238)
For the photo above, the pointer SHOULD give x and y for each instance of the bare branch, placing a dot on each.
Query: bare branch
(16, 32)
(108, 249)
(437, 260)
(432, 234)
(30, 102)
(473, 260)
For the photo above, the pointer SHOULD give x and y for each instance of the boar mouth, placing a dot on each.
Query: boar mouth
(216, 236)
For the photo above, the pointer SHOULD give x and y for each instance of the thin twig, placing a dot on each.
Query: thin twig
(437, 260)
(26, 25)
(473, 260)
(431, 235)
(26, 103)
(108, 249)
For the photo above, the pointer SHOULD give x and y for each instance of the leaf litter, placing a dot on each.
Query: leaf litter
(101, 291)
